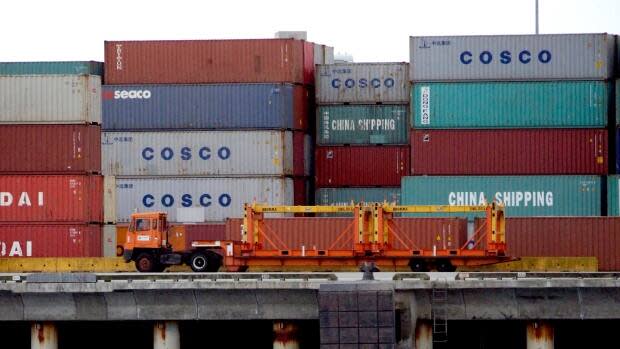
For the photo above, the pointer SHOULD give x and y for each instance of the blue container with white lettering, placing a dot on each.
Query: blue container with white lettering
(362, 124)
(51, 68)
(521, 195)
(218, 106)
(549, 104)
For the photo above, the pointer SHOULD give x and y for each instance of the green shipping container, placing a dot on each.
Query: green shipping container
(521, 195)
(362, 124)
(553, 104)
(613, 195)
(48, 68)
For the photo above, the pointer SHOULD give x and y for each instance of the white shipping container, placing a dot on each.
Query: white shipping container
(109, 240)
(512, 57)
(50, 99)
(323, 54)
(362, 83)
(220, 198)
(109, 199)
(198, 153)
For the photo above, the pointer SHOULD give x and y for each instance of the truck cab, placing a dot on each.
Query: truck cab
(149, 244)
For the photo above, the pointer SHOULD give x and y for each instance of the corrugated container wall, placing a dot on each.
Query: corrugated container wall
(200, 153)
(60, 99)
(613, 195)
(208, 61)
(512, 57)
(510, 104)
(232, 106)
(617, 141)
(325, 232)
(346, 196)
(54, 198)
(109, 243)
(375, 166)
(56, 68)
(109, 199)
(211, 199)
(617, 90)
(566, 237)
(363, 83)
(50, 149)
(362, 124)
(50, 240)
(509, 152)
(522, 195)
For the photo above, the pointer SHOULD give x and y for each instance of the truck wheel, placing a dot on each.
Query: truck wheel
(418, 265)
(199, 262)
(145, 263)
(444, 265)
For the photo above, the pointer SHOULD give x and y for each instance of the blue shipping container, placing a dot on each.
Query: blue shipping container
(223, 106)
(522, 195)
(48, 68)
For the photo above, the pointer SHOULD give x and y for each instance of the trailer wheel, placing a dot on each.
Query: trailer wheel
(145, 263)
(444, 265)
(199, 262)
(418, 265)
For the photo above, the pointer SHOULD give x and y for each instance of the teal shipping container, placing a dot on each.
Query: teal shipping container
(521, 195)
(49, 68)
(613, 195)
(362, 124)
(554, 104)
(344, 196)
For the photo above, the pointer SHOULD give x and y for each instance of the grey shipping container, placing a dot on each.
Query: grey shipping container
(362, 83)
(50, 99)
(522, 195)
(200, 199)
(217, 106)
(512, 57)
(362, 124)
(346, 196)
(198, 153)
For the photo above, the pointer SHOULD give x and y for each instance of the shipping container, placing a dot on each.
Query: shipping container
(347, 196)
(521, 195)
(566, 237)
(322, 233)
(232, 106)
(201, 199)
(374, 166)
(363, 83)
(182, 236)
(617, 93)
(109, 199)
(323, 54)
(302, 191)
(509, 152)
(109, 244)
(362, 124)
(51, 198)
(202, 153)
(512, 57)
(208, 61)
(50, 149)
(613, 195)
(50, 240)
(50, 99)
(52, 68)
(510, 104)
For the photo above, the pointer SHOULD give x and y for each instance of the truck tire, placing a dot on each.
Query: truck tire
(199, 262)
(444, 265)
(145, 263)
(418, 265)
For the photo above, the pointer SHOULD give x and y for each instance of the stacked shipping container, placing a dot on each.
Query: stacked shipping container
(362, 132)
(511, 105)
(50, 190)
(215, 125)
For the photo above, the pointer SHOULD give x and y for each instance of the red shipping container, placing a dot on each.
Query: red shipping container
(301, 191)
(53, 198)
(323, 233)
(50, 240)
(50, 149)
(343, 166)
(208, 61)
(509, 152)
(565, 237)
(298, 153)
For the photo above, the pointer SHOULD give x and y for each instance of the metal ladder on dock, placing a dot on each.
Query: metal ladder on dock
(439, 311)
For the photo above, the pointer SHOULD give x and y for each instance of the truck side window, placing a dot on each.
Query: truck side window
(154, 224)
(142, 224)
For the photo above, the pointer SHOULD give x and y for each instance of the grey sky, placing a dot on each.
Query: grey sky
(369, 30)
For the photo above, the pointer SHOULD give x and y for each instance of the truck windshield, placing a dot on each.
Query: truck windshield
(142, 224)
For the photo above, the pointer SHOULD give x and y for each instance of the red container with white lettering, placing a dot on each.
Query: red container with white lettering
(50, 240)
(53, 198)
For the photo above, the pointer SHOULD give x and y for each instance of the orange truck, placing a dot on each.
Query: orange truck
(153, 245)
